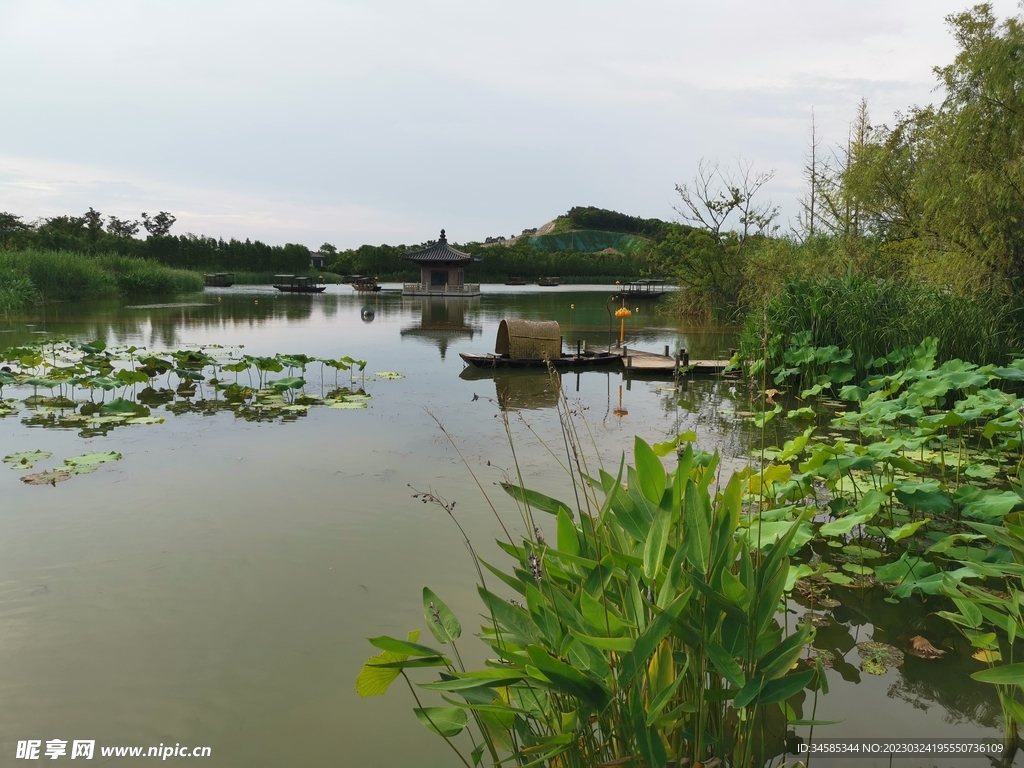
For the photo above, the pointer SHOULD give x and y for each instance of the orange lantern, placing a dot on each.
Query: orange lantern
(622, 313)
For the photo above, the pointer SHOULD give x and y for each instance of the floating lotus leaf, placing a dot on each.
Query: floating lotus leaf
(346, 406)
(355, 398)
(388, 375)
(50, 477)
(82, 469)
(838, 578)
(814, 619)
(828, 602)
(296, 408)
(872, 667)
(827, 657)
(26, 459)
(93, 458)
(866, 553)
(860, 570)
(886, 654)
(113, 419)
(146, 420)
(48, 383)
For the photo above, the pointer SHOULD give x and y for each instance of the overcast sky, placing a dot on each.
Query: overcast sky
(374, 121)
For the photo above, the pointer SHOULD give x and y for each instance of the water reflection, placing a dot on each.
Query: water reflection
(442, 320)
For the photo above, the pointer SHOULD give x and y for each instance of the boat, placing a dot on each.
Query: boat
(549, 282)
(562, 362)
(365, 284)
(298, 284)
(219, 279)
(535, 344)
(648, 288)
(515, 281)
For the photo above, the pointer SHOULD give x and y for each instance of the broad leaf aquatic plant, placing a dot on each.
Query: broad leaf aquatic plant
(647, 632)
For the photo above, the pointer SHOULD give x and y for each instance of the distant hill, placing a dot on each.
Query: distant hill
(587, 229)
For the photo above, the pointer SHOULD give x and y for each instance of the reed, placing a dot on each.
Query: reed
(29, 276)
(874, 315)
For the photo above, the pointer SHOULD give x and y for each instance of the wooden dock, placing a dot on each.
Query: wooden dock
(649, 363)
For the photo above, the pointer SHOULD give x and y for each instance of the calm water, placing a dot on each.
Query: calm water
(216, 586)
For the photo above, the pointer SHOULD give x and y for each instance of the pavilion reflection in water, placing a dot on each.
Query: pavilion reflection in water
(442, 321)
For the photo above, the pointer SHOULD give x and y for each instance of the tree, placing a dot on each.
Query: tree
(159, 225)
(10, 225)
(722, 216)
(122, 227)
(94, 223)
(816, 171)
(328, 249)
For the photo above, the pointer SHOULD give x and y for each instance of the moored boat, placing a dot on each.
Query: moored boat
(549, 282)
(219, 279)
(298, 284)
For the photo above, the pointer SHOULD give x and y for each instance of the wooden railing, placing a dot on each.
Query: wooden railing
(440, 289)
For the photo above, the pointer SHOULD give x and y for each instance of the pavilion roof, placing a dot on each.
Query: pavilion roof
(439, 253)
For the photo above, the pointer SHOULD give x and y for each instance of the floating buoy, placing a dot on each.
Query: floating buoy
(257, 301)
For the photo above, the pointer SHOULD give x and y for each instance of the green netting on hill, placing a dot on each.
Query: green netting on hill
(587, 241)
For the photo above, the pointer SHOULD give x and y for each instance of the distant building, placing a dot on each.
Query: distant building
(317, 260)
(442, 271)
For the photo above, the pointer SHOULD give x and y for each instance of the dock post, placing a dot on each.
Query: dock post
(584, 345)
(686, 358)
(675, 371)
(666, 350)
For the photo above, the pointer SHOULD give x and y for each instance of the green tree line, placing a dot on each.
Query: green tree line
(93, 233)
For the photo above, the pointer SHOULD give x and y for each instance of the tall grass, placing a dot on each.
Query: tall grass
(874, 315)
(29, 276)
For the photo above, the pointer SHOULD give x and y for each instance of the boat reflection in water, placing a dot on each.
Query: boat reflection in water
(520, 390)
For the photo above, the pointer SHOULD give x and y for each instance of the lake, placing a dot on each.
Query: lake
(216, 586)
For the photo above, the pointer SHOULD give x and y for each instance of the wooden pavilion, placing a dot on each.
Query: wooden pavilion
(442, 272)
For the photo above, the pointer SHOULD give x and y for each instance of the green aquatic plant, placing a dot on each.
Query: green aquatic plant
(645, 633)
(59, 366)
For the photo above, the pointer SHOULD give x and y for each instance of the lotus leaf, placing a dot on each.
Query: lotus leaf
(49, 477)
(860, 570)
(26, 459)
(289, 382)
(93, 458)
(146, 420)
(389, 375)
(872, 666)
(346, 406)
(120, 405)
(886, 654)
(866, 553)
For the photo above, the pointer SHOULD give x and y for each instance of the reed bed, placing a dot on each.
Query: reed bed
(31, 276)
(873, 316)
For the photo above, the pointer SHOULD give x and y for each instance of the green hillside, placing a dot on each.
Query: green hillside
(587, 241)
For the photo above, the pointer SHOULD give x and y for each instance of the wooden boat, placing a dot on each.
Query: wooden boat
(648, 288)
(219, 279)
(365, 285)
(515, 281)
(298, 284)
(549, 282)
(583, 360)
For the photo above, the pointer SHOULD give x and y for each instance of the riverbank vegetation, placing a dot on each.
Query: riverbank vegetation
(897, 222)
(32, 275)
(93, 233)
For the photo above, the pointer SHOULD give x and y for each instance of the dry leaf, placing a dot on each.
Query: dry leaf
(770, 395)
(987, 655)
(922, 648)
(46, 478)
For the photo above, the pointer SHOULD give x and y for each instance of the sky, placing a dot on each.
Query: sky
(382, 121)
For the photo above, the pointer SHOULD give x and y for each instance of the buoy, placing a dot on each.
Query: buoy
(257, 301)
